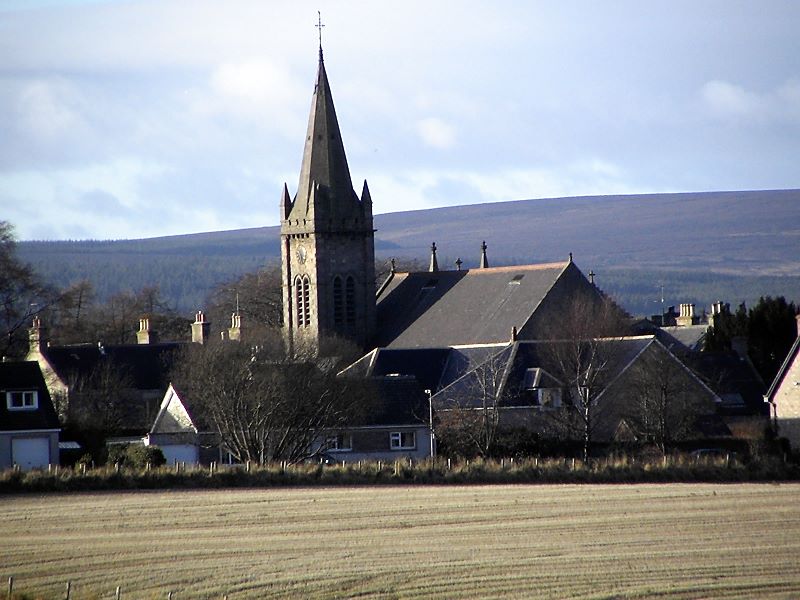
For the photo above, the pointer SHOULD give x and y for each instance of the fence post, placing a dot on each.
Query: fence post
(10, 587)
(69, 589)
(116, 594)
(169, 595)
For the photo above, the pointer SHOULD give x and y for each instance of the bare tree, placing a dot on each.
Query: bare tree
(666, 399)
(22, 295)
(256, 296)
(100, 402)
(579, 353)
(469, 414)
(265, 405)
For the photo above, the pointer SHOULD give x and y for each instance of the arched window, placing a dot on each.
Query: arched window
(338, 301)
(350, 300)
(303, 301)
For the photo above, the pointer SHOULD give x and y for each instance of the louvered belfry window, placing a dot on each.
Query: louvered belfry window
(303, 301)
(350, 300)
(338, 301)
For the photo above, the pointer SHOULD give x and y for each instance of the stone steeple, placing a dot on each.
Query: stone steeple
(327, 240)
(325, 190)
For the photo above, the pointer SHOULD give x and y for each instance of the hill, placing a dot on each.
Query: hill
(699, 246)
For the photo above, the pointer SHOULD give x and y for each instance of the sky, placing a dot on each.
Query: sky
(136, 119)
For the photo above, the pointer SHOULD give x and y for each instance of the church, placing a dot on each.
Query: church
(427, 335)
(328, 268)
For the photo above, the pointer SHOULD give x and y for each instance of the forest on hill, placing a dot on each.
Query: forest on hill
(699, 247)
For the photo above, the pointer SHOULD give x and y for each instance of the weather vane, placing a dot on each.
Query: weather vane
(319, 26)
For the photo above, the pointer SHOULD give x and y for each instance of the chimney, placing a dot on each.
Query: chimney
(484, 260)
(434, 264)
(686, 316)
(145, 335)
(200, 328)
(235, 330)
(514, 333)
(35, 336)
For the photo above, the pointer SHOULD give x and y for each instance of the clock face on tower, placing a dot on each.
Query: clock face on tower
(301, 254)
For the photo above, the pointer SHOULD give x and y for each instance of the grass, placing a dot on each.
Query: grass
(671, 541)
(677, 468)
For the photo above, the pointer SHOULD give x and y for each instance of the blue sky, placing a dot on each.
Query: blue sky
(139, 119)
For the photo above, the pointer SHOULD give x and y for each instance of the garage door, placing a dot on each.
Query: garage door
(30, 453)
(180, 453)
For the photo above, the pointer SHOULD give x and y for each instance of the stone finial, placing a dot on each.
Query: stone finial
(484, 260)
(570, 257)
(434, 266)
(591, 277)
(459, 262)
(393, 268)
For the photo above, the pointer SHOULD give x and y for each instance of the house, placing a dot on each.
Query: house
(112, 387)
(182, 433)
(783, 396)
(398, 427)
(530, 384)
(29, 428)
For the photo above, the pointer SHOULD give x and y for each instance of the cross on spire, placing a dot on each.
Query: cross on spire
(319, 26)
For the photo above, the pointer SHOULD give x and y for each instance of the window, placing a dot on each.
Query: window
(302, 297)
(350, 301)
(22, 400)
(402, 440)
(342, 442)
(338, 301)
(549, 397)
(541, 388)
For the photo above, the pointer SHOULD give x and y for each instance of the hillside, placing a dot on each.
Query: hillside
(699, 246)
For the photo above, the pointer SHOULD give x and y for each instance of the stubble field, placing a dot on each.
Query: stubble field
(524, 541)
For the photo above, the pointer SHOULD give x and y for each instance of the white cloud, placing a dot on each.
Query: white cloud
(725, 100)
(257, 88)
(728, 100)
(417, 189)
(436, 133)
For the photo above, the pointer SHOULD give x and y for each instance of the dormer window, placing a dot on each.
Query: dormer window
(541, 388)
(22, 400)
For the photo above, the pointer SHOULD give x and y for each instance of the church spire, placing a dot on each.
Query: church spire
(325, 190)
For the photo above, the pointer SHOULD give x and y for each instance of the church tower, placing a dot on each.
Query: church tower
(327, 239)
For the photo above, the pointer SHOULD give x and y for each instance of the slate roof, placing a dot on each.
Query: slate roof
(146, 365)
(524, 355)
(449, 308)
(25, 375)
(403, 401)
(432, 368)
(734, 380)
(681, 339)
(325, 190)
